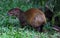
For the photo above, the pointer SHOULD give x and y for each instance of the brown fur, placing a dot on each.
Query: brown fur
(35, 17)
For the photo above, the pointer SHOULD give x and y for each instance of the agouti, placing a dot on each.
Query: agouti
(36, 18)
(33, 17)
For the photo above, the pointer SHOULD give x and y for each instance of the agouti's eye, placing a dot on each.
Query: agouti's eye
(11, 13)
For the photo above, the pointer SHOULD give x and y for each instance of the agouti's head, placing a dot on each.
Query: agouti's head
(14, 12)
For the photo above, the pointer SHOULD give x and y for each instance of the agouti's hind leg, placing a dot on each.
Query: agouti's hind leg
(40, 28)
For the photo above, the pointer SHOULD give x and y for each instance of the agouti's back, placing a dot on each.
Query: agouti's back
(35, 17)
